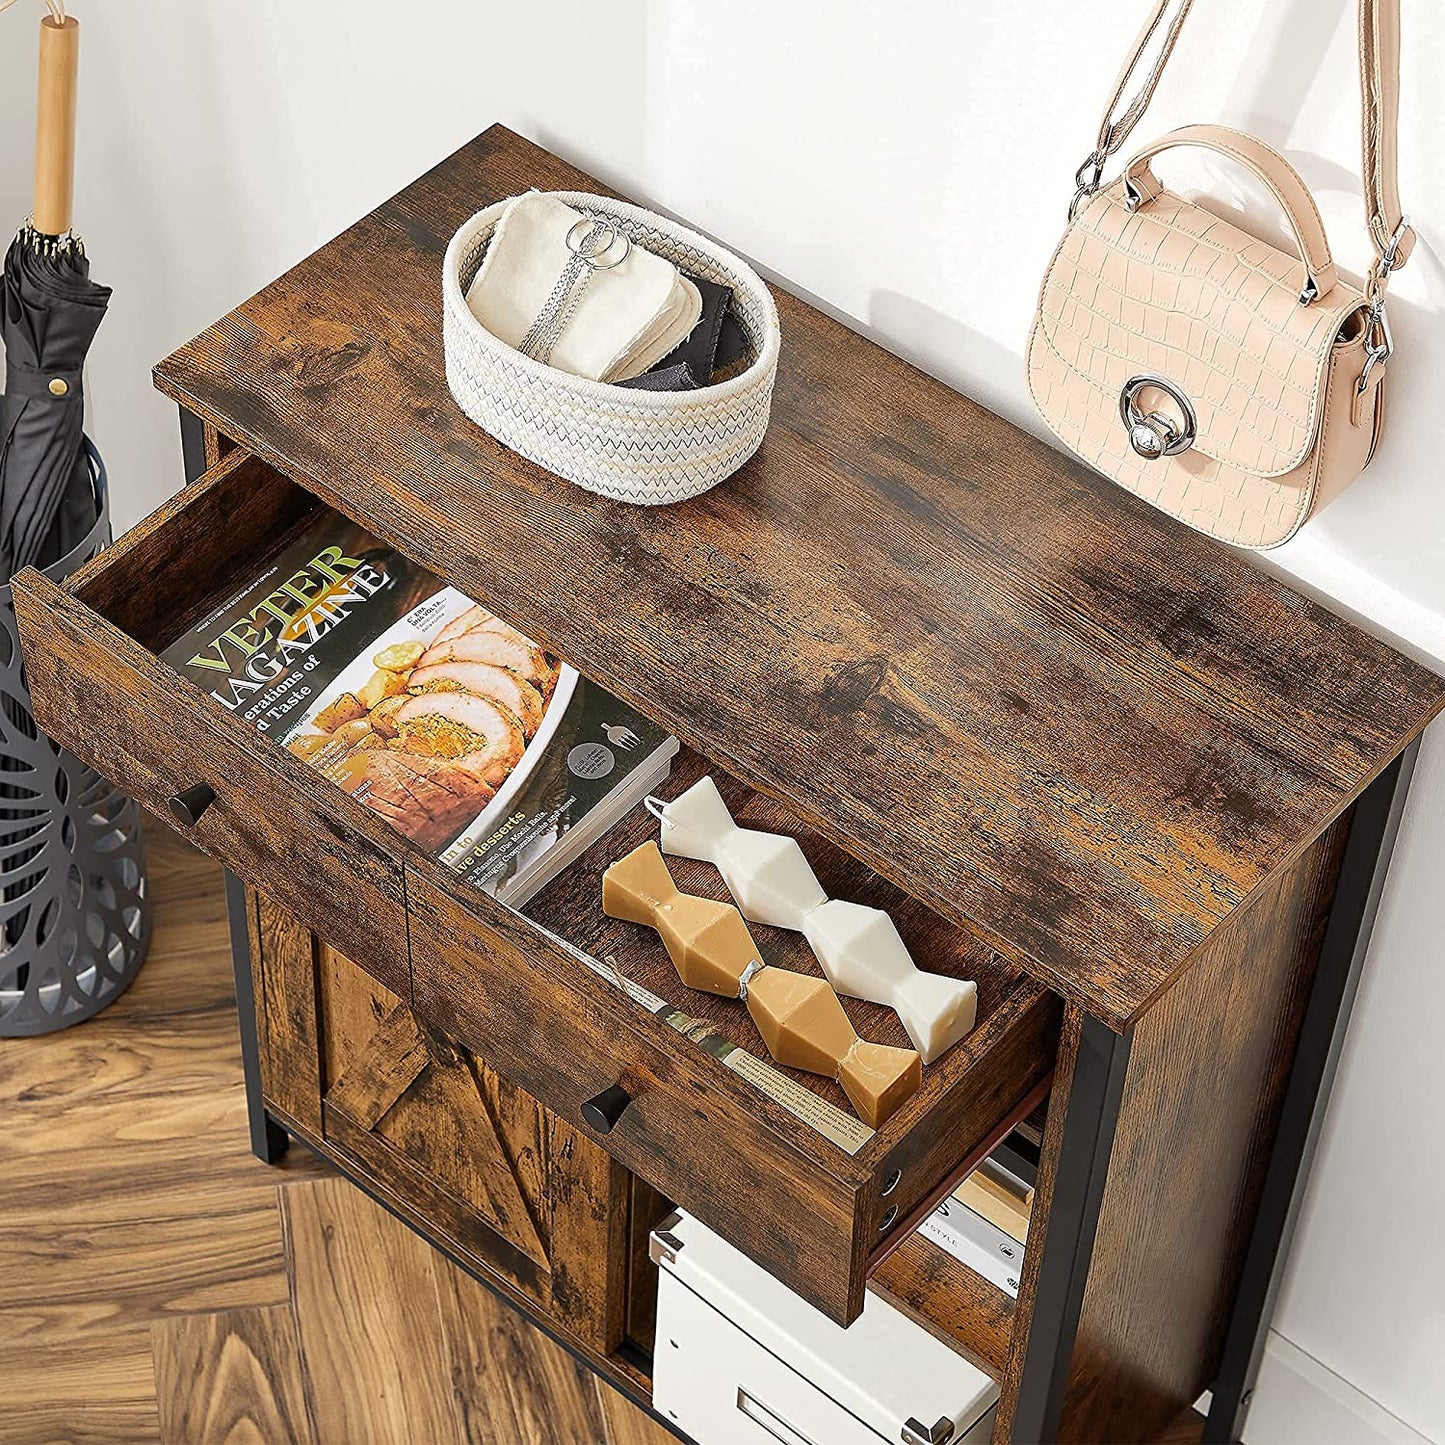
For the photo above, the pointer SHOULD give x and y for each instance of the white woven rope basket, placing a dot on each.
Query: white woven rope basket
(647, 447)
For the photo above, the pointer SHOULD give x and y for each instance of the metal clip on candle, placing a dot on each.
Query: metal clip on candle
(859, 947)
(799, 1017)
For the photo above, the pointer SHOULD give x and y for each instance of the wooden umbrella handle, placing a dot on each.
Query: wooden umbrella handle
(55, 125)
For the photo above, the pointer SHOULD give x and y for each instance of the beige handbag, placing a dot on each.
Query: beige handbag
(1233, 385)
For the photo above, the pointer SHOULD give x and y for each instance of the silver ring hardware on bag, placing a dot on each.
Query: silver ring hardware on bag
(590, 246)
(1379, 341)
(1151, 434)
(1379, 338)
(1379, 347)
(1085, 186)
(1389, 259)
(1386, 262)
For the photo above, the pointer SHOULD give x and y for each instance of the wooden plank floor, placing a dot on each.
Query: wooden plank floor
(157, 1283)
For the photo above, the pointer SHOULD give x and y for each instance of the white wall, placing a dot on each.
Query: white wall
(909, 164)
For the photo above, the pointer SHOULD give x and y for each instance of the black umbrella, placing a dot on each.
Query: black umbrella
(48, 487)
(52, 310)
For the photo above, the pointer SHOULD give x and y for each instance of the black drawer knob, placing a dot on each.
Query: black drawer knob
(603, 1112)
(187, 807)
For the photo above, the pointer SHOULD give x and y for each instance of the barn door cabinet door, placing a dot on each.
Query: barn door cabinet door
(493, 1175)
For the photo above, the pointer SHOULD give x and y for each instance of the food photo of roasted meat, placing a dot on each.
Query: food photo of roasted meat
(438, 727)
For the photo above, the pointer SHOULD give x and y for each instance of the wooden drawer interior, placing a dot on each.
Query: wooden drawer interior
(806, 1190)
(100, 688)
(571, 908)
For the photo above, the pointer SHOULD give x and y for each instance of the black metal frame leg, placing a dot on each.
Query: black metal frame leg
(269, 1141)
(1089, 1125)
(1093, 1112)
(1363, 868)
(193, 445)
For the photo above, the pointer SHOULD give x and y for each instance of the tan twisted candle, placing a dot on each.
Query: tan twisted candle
(799, 1017)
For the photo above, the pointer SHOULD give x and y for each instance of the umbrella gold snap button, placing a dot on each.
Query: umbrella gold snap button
(58, 386)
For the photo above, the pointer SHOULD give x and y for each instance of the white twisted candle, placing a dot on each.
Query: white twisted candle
(859, 948)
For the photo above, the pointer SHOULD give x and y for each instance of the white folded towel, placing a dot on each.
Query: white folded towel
(600, 316)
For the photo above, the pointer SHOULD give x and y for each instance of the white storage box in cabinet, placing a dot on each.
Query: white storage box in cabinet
(741, 1360)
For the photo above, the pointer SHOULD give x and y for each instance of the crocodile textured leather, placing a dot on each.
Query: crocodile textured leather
(1173, 291)
(1270, 367)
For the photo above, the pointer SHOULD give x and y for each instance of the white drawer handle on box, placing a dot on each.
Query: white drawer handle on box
(774, 1424)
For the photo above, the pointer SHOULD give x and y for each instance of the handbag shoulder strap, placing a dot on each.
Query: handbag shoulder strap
(1116, 125)
(1380, 130)
(1379, 40)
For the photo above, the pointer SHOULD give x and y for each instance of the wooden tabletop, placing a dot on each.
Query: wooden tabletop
(1045, 710)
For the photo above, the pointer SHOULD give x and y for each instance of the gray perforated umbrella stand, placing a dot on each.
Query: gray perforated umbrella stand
(75, 916)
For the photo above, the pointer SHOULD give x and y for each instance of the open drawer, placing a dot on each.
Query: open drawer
(770, 1158)
(99, 688)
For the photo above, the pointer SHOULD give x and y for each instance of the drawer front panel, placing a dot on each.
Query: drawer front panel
(1015, 1047)
(138, 723)
(496, 985)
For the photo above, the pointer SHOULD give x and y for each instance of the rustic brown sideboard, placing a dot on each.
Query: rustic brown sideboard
(1143, 793)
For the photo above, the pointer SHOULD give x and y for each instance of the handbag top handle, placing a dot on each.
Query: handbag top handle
(1379, 40)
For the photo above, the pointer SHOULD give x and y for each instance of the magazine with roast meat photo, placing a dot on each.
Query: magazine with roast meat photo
(465, 735)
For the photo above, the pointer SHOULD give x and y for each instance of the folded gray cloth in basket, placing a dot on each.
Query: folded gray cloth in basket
(573, 292)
